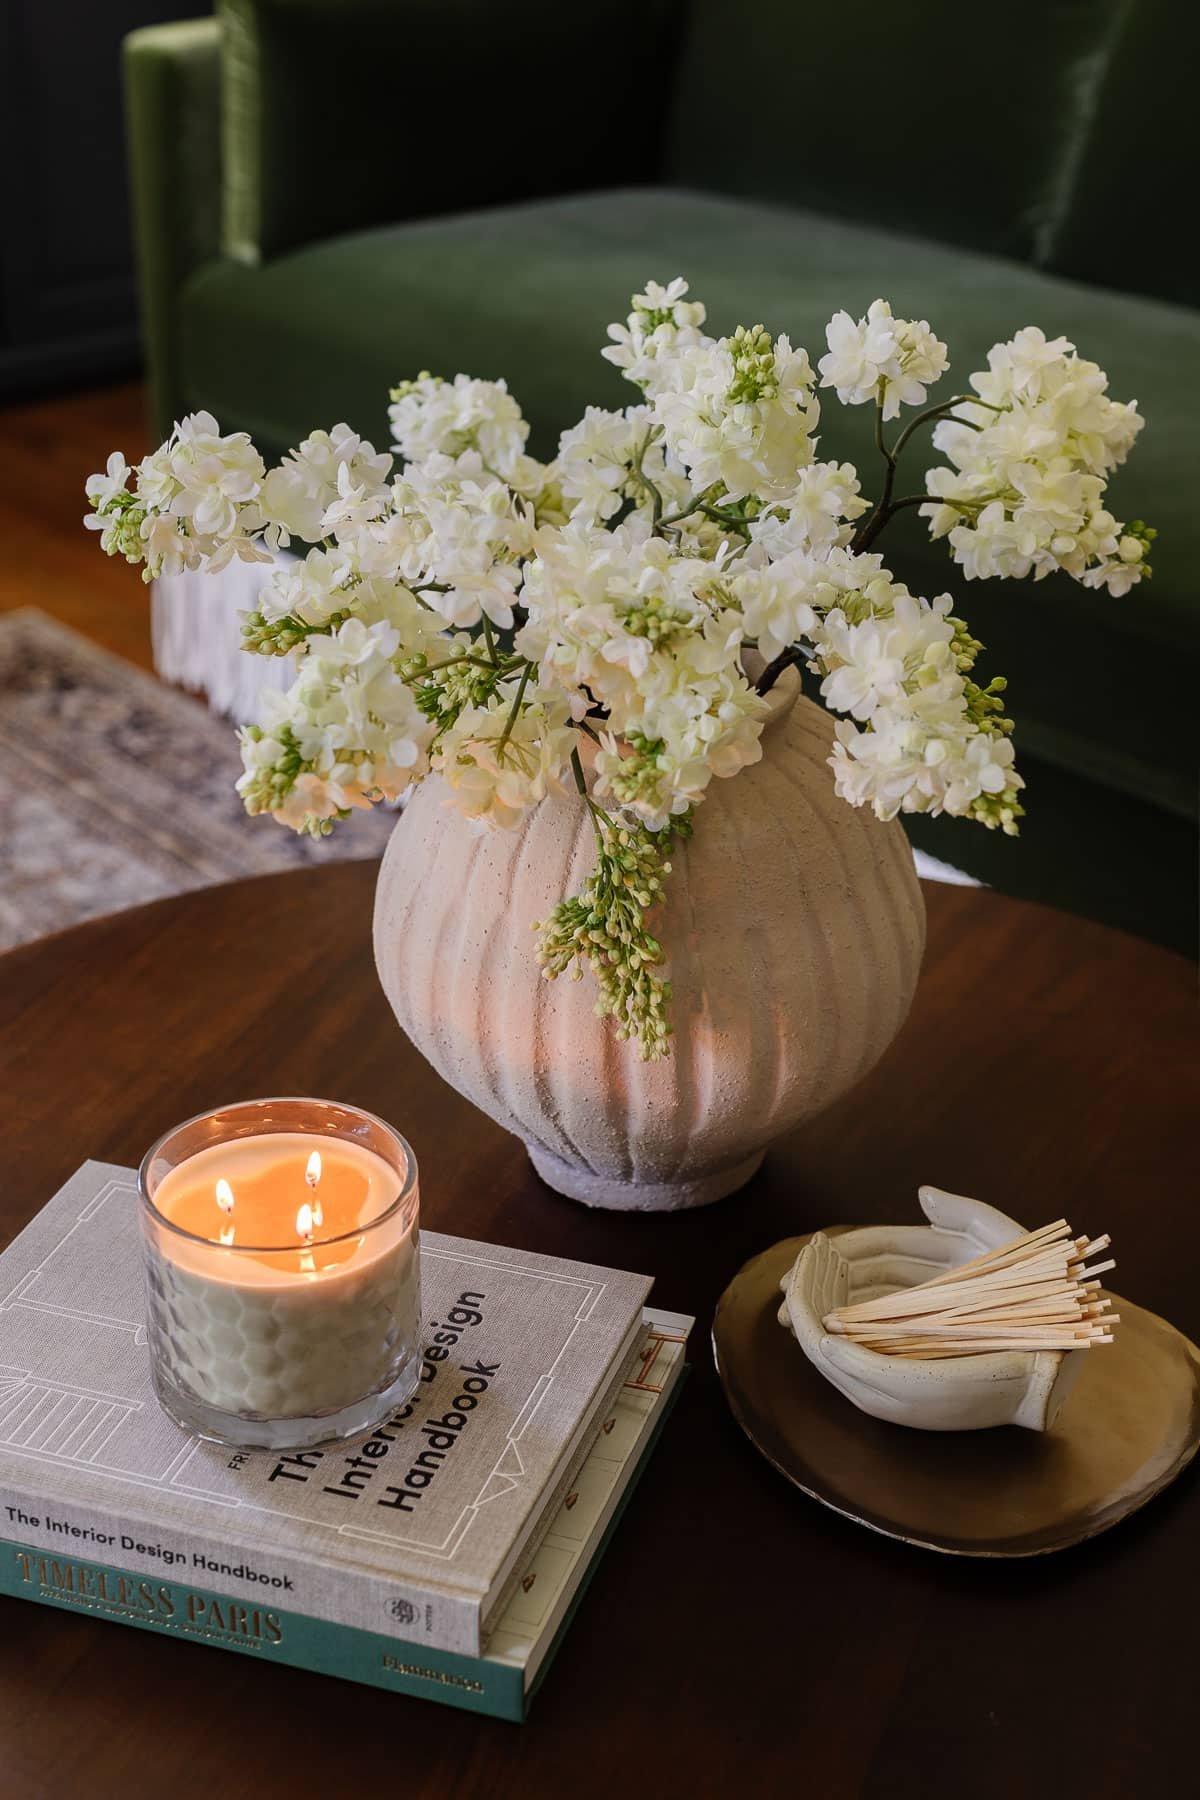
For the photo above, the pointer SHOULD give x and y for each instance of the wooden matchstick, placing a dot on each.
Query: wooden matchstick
(1035, 1293)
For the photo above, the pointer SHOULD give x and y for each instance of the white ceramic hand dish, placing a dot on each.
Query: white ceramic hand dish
(966, 1393)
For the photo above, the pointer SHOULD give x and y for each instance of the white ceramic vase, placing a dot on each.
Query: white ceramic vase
(794, 926)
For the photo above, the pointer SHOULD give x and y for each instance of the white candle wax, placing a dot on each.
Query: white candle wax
(278, 1294)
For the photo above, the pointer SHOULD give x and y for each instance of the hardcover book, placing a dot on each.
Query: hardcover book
(418, 1529)
(528, 1629)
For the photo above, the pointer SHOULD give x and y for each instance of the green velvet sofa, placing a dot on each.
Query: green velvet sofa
(333, 194)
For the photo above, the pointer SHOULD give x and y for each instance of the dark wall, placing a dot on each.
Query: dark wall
(67, 304)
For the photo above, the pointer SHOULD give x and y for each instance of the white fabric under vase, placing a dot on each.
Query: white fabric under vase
(794, 926)
(197, 626)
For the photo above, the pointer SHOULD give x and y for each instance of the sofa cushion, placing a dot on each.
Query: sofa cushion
(953, 120)
(1100, 686)
(340, 114)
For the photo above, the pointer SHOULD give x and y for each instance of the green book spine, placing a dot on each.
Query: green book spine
(202, 1616)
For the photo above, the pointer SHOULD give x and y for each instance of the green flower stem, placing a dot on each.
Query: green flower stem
(600, 819)
(480, 662)
(921, 500)
(885, 507)
(879, 518)
(773, 670)
(719, 514)
(643, 480)
(722, 515)
(515, 710)
(940, 411)
(880, 443)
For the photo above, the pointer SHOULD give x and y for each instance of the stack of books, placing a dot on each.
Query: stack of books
(442, 1554)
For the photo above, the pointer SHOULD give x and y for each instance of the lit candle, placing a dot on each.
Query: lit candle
(282, 1272)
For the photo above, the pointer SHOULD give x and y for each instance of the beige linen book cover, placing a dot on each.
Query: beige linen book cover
(416, 1528)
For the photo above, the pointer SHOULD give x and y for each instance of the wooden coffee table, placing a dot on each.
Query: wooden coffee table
(737, 1639)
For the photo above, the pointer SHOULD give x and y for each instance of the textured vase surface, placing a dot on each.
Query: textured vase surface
(794, 927)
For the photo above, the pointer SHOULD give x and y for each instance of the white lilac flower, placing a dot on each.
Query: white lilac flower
(376, 599)
(296, 495)
(661, 323)
(596, 460)
(454, 532)
(905, 763)
(567, 594)
(1119, 571)
(430, 417)
(471, 556)
(497, 765)
(346, 733)
(781, 601)
(193, 504)
(312, 590)
(116, 514)
(815, 515)
(1025, 490)
(214, 476)
(101, 489)
(741, 413)
(318, 594)
(927, 738)
(673, 742)
(620, 616)
(879, 657)
(881, 359)
(155, 484)
(167, 547)
(355, 504)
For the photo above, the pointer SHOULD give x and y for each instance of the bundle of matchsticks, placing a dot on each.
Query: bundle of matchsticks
(1036, 1293)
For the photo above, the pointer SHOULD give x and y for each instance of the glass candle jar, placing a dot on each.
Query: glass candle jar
(282, 1272)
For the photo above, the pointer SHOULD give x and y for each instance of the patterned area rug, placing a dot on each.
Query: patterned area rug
(115, 789)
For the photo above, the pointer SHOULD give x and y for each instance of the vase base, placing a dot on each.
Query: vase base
(579, 1183)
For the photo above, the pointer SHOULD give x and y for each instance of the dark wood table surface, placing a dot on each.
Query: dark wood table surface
(738, 1639)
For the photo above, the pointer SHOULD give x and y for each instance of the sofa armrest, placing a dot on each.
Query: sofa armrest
(172, 111)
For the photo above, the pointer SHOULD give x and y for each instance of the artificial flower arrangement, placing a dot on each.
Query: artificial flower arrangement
(480, 614)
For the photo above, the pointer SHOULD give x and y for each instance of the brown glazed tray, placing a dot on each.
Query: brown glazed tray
(1128, 1428)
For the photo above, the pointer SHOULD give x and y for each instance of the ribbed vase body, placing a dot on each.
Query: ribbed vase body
(794, 926)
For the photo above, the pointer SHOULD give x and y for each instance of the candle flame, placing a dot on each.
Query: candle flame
(224, 1196)
(305, 1223)
(312, 1175)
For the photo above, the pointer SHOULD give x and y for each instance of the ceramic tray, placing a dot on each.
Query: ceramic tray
(1128, 1429)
